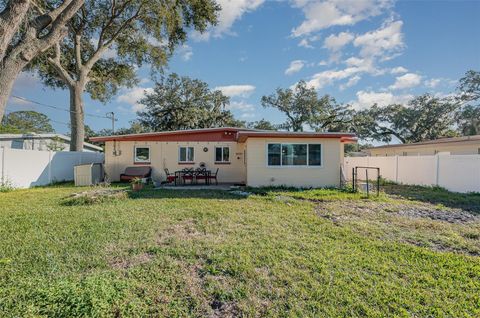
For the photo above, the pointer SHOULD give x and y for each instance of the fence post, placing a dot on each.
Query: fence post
(437, 169)
(3, 164)
(49, 166)
(396, 168)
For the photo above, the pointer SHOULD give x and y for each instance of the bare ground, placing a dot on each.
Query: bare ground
(423, 224)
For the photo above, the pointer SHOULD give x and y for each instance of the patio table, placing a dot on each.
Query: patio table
(180, 173)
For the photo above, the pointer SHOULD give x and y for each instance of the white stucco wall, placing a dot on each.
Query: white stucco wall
(165, 155)
(260, 174)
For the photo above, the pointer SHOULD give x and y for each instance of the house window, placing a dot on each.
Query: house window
(314, 155)
(222, 154)
(294, 155)
(186, 154)
(17, 144)
(142, 154)
(274, 154)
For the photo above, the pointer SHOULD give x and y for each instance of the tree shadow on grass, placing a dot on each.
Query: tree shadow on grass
(436, 195)
(150, 193)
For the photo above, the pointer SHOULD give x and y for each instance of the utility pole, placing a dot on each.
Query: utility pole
(111, 116)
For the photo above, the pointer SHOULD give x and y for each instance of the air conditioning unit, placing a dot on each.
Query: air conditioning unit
(88, 174)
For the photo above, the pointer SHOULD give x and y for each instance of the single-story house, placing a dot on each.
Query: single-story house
(42, 142)
(243, 156)
(467, 145)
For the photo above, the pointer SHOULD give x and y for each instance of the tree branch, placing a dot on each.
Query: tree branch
(101, 49)
(62, 72)
(10, 20)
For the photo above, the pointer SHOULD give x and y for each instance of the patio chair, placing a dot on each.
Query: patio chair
(170, 176)
(188, 174)
(214, 176)
(201, 174)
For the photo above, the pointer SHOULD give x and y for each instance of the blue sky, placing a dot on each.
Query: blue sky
(360, 52)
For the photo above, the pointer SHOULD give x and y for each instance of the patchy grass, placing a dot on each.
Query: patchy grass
(435, 195)
(325, 194)
(315, 253)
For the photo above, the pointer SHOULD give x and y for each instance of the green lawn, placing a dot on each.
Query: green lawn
(278, 253)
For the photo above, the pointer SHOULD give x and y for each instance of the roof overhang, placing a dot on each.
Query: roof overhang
(224, 134)
(206, 134)
(344, 137)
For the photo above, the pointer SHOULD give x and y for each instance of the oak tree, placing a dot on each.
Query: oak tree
(27, 29)
(179, 102)
(109, 39)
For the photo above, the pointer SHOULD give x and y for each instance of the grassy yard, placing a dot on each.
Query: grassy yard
(412, 252)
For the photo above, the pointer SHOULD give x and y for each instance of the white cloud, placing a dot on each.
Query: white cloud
(355, 67)
(295, 66)
(384, 42)
(231, 11)
(367, 99)
(336, 42)
(240, 106)
(322, 14)
(133, 96)
(246, 110)
(236, 90)
(305, 43)
(398, 70)
(247, 115)
(351, 82)
(433, 82)
(406, 81)
(185, 52)
(322, 79)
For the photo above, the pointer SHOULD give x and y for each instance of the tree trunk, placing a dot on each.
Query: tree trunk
(10, 20)
(8, 74)
(77, 115)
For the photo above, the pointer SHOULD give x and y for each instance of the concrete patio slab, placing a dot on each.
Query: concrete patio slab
(222, 186)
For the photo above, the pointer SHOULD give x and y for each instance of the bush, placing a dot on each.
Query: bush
(6, 186)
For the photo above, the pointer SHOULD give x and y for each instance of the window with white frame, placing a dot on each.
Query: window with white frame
(142, 154)
(186, 154)
(294, 155)
(222, 154)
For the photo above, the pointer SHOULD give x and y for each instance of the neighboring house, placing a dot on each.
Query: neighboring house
(44, 142)
(252, 157)
(468, 145)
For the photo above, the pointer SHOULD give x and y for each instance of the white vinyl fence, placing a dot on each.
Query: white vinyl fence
(27, 168)
(458, 173)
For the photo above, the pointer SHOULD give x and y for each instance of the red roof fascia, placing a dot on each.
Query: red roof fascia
(213, 134)
(344, 137)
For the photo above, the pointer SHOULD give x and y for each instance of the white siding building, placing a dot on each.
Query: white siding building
(42, 142)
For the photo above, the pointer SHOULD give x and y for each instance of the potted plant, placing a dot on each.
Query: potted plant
(137, 184)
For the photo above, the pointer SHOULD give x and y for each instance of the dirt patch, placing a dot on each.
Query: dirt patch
(97, 195)
(185, 230)
(224, 309)
(426, 211)
(130, 261)
(420, 224)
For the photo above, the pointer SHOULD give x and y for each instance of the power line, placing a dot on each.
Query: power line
(57, 107)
